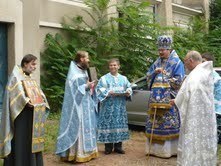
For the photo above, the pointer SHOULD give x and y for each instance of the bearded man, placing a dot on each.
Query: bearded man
(163, 123)
(77, 134)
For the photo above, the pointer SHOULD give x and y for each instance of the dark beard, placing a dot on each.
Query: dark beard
(27, 73)
(84, 66)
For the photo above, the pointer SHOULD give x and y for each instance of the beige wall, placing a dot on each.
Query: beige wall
(31, 30)
(198, 4)
(55, 11)
(164, 10)
(180, 19)
(11, 13)
(193, 3)
(179, 12)
(30, 20)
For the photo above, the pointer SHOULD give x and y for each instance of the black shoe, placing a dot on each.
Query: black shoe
(120, 151)
(108, 148)
(107, 152)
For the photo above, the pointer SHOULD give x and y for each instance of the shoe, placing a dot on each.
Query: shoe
(120, 151)
(108, 148)
(107, 152)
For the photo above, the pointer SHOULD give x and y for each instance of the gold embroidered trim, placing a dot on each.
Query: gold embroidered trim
(161, 85)
(162, 137)
(18, 112)
(14, 86)
(10, 135)
(80, 159)
(5, 155)
(15, 98)
(37, 140)
(159, 105)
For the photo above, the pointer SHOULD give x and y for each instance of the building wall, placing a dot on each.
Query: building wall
(11, 14)
(54, 11)
(202, 5)
(193, 3)
(182, 15)
(179, 12)
(31, 16)
(164, 10)
(30, 20)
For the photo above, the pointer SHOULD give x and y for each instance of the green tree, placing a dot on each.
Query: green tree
(215, 29)
(55, 60)
(197, 38)
(192, 38)
(130, 37)
(215, 14)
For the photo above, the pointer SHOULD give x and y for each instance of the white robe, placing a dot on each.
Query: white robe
(197, 144)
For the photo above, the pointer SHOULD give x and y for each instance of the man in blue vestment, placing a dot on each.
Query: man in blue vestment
(77, 134)
(163, 123)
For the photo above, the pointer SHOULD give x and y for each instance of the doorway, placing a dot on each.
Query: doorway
(3, 61)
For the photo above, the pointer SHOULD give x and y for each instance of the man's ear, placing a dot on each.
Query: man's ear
(25, 64)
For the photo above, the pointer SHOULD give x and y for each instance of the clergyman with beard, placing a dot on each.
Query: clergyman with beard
(76, 140)
(164, 76)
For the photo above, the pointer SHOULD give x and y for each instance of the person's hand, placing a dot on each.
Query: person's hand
(158, 70)
(172, 102)
(30, 105)
(127, 93)
(91, 84)
(111, 93)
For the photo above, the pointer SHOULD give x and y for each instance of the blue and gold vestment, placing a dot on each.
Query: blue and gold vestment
(164, 86)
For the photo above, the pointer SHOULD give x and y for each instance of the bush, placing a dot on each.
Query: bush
(131, 38)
